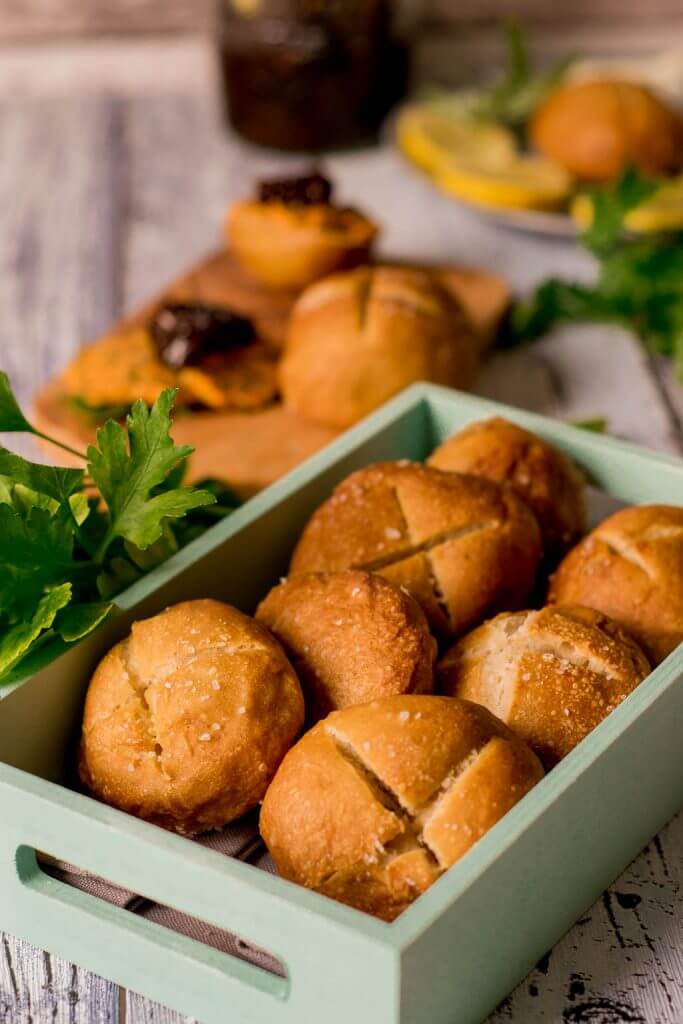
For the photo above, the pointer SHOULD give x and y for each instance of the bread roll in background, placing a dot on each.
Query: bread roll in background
(596, 129)
(541, 474)
(551, 675)
(631, 568)
(357, 338)
(463, 546)
(377, 801)
(351, 637)
(290, 245)
(187, 719)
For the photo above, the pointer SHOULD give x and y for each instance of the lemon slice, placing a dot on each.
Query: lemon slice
(520, 183)
(663, 211)
(432, 135)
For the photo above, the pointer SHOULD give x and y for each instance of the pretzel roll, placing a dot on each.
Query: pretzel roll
(351, 637)
(463, 546)
(551, 675)
(357, 338)
(631, 568)
(187, 719)
(541, 474)
(377, 801)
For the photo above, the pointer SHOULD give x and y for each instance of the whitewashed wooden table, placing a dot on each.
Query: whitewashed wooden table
(109, 185)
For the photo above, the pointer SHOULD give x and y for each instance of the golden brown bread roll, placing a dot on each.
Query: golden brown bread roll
(598, 128)
(355, 339)
(551, 675)
(631, 568)
(351, 637)
(463, 546)
(187, 719)
(377, 801)
(541, 474)
(287, 245)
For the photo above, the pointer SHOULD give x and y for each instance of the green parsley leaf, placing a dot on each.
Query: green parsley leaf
(77, 620)
(57, 483)
(127, 470)
(17, 641)
(611, 204)
(36, 552)
(12, 420)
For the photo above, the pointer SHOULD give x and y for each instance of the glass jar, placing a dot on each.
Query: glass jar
(310, 74)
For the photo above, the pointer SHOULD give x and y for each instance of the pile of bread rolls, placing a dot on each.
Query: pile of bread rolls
(406, 684)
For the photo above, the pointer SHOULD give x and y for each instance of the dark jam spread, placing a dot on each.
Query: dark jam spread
(307, 190)
(187, 333)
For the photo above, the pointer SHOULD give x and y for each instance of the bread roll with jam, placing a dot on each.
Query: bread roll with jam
(351, 637)
(377, 801)
(631, 568)
(292, 233)
(463, 546)
(551, 675)
(357, 338)
(187, 719)
(541, 474)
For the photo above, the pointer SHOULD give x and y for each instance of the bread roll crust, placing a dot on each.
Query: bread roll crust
(596, 129)
(351, 637)
(286, 245)
(377, 801)
(541, 474)
(357, 338)
(187, 719)
(631, 568)
(463, 546)
(551, 675)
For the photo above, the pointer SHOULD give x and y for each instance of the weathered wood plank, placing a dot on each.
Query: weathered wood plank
(36, 988)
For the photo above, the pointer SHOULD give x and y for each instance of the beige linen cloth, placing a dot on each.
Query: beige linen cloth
(240, 840)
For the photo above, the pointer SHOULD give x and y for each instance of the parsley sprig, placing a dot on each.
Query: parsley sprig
(639, 284)
(71, 539)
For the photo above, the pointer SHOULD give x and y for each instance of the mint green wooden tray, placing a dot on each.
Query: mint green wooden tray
(456, 952)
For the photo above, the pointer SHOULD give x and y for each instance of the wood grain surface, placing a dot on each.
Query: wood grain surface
(102, 200)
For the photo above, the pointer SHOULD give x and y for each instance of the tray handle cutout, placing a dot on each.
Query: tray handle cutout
(235, 956)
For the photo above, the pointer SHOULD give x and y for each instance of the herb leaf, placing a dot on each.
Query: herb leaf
(57, 483)
(128, 469)
(12, 420)
(16, 641)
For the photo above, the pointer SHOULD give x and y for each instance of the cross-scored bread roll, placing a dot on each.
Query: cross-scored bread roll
(351, 637)
(377, 801)
(551, 675)
(187, 719)
(463, 546)
(357, 338)
(541, 474)
(631, 568)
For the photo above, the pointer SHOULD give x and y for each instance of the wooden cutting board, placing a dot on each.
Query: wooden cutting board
(252, 449)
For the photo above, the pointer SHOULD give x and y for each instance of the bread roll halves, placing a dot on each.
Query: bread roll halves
(187, 719)
(377, 801)
(351, 637)
(551, 675)
(463, 546)
(631, 568)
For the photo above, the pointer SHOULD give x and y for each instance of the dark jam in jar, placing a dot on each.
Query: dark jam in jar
(308, 74)
(185, 334)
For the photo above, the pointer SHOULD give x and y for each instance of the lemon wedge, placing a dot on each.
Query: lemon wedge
(662, 211)
(432, 135)
(519, 183)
